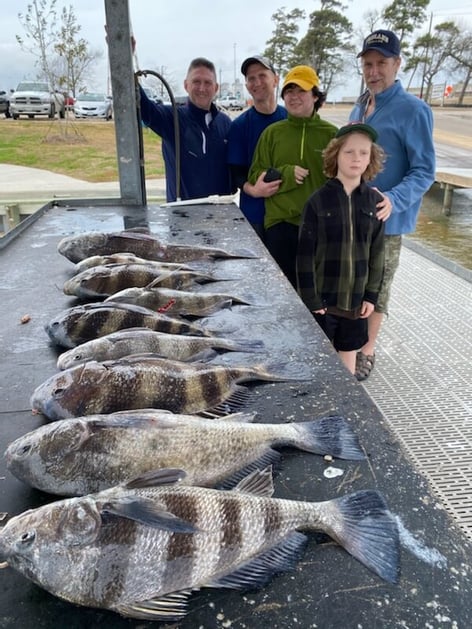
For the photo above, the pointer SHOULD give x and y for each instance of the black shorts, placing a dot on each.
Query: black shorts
(346, 335)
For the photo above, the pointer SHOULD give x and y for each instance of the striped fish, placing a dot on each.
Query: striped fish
(145, 381)
(178, 302)
(80, 246)
(82, 323)
(126, 258)
(144, 340)
(82, 455)
(142, 548)
(103, 281)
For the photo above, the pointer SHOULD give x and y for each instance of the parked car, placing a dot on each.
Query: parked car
(231, 102)
(152, 94)
(36, 98)
(5, 103)
(94, 105)
(69, 102)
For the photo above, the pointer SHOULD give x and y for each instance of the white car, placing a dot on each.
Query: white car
(231, 102)
(93, 106)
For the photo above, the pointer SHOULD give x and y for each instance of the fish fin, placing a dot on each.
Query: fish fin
(160, 278)
(238, 398)
(134, 419)
(280, 371)
(146, 512)
(204, 356)
(139, 229)
(257, 572)
(367, 530)
(328, 435)
(239, 253)
(156, 478)
(241, 417)
(172, 606)
(269, 458)
(246, 345)
(258, 483)
(222, 304)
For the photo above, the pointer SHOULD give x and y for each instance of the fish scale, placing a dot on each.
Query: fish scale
(145, 382)
(144, 340)
(144, 245)
(83, 323)
(87, 454)
(141, 548)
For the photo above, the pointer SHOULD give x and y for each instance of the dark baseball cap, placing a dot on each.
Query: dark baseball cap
(256, 59)
(385, 42)
(359, 127)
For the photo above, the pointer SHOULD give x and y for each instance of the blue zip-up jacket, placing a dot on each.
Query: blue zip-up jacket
(243, 136)
(405, 127)
(203, 148)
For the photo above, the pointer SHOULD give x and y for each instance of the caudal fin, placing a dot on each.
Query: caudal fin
(328, 435)
(363, 525)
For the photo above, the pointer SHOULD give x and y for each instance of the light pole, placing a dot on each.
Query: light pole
(234, 62)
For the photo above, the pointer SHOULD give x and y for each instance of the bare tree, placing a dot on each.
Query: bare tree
(73, 54)
(432, 51)
(40, 35)
(62, 56)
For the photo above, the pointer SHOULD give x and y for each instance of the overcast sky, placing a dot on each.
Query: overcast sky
(170, 33)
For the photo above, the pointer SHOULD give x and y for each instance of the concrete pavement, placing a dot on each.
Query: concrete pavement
(22, 184)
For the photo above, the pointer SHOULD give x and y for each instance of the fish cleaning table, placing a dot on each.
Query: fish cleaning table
(328, 588)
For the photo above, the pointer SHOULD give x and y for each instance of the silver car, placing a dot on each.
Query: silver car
(93, 106)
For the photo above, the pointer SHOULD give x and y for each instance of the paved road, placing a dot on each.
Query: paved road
(452, 133)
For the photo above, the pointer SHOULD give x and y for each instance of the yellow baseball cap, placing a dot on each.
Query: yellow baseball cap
(303, 76)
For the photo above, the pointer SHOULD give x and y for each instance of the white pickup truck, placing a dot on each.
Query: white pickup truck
(35, 98)
(231, 102)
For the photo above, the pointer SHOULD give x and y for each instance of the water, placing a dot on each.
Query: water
(450, 236)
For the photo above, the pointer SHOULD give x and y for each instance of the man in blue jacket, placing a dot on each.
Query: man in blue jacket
(404, 124)
(261, 83)
(203, 136)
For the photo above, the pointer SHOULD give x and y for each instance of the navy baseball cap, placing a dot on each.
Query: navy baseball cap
(385, 42)
(256, 59)
(359, 127)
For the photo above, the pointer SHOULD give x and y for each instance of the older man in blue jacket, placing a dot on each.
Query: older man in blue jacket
(404, 124)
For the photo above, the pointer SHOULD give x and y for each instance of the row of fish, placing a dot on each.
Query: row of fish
(172, 488)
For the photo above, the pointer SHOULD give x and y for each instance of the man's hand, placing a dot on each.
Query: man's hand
(384, 207)
(262, 188)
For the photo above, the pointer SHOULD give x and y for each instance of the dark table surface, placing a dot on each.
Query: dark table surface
(329, 588)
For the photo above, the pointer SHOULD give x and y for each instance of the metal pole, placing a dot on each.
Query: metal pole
(130, 162)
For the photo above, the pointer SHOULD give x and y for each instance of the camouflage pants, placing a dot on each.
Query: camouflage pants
(393, 245)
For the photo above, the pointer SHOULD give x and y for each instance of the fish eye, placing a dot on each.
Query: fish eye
(27, 538)
(25, 450)
(77, 356)
(59, 392)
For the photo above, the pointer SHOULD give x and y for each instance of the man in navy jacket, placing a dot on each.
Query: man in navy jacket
(203, 136)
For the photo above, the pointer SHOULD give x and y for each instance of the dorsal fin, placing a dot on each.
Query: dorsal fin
(258, 483)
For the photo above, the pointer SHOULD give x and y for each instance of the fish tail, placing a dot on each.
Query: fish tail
(362, 524)
(327, 435)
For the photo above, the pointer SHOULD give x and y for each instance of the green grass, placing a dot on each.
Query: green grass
(82, 149)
